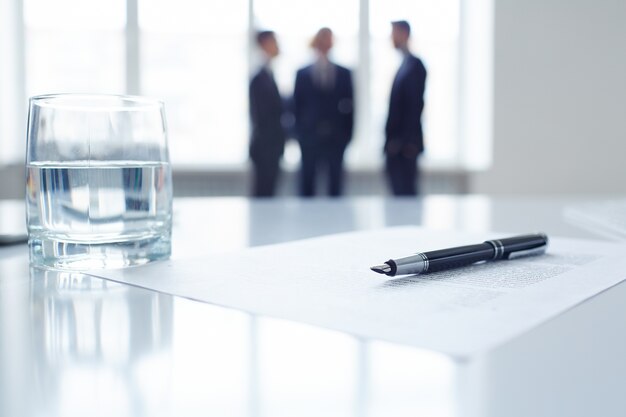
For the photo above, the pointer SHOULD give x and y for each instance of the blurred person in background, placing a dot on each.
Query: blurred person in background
(324, 117)
(404, 140)
(266, 110)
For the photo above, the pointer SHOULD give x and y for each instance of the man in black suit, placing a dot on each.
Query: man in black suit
(324, 117)
(404, 140)
(266, 109)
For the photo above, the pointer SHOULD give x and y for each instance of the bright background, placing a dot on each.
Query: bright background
(198, 55)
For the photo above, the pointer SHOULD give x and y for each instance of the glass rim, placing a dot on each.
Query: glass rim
(125, 102)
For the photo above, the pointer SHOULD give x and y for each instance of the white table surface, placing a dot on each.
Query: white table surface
(72, 345)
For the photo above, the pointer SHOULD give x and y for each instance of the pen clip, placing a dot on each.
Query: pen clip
(526, 252)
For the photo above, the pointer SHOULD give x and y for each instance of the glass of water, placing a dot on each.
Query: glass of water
(99, 188)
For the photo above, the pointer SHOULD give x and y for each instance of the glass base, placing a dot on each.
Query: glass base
(61, 254)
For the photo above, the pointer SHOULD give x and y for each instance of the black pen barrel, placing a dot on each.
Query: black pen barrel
(457, 257)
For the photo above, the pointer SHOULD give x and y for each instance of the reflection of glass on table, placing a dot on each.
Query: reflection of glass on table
(91, 338)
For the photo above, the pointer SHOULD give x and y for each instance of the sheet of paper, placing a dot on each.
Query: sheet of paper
(327, 282)
(605, 218)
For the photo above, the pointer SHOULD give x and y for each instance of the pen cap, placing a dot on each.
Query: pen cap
(519, 245)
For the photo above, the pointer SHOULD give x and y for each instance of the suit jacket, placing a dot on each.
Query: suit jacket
(266, 110)
(403, 131)
(323, 115)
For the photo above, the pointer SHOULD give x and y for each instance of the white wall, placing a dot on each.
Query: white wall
(559, 98)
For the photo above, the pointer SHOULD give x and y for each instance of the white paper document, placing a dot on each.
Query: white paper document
(327, 282)
(607, 218)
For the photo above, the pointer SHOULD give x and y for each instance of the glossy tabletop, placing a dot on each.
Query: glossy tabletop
(74, 345)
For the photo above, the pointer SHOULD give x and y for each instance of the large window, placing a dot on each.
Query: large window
(198, 56)
(74, 46)
(194, 55)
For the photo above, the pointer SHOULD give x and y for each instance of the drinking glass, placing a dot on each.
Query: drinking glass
(98, 181)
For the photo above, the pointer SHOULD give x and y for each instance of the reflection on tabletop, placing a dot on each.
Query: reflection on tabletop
(72, 345)
(81, 344)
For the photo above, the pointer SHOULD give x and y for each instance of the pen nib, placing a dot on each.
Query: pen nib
(381, 269)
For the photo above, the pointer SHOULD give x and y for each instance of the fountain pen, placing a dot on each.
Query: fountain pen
(490, 250)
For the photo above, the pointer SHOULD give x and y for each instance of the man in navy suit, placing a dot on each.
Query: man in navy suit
(324, 117)
(404, 140)
(266, 109)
